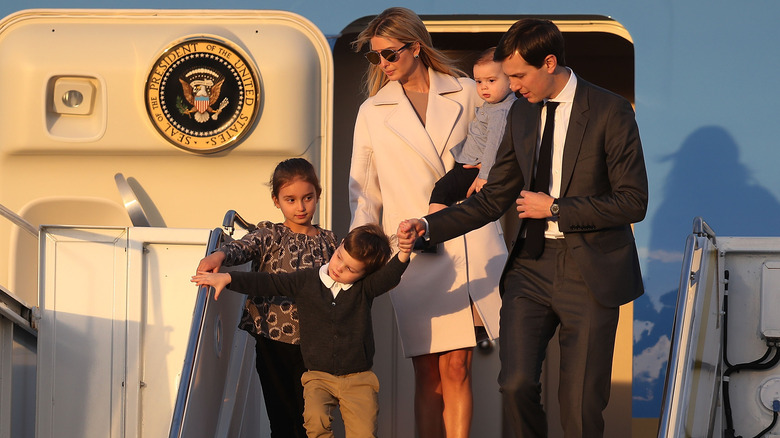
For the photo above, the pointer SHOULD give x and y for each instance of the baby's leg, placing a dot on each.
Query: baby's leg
(452, 187)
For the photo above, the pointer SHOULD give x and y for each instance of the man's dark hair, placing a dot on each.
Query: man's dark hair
(369, 245)
(533, 39)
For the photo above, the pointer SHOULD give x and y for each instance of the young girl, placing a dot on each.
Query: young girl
(286, 247)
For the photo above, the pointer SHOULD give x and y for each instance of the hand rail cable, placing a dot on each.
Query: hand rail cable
(18, 220)
(198, 319)
(679, 353)
(232, 218)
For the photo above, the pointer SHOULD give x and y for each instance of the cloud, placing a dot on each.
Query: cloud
(661, 255)
(649, 364)
(645, 397)
(640, 327)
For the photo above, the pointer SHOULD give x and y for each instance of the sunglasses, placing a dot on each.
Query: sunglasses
(389, 54)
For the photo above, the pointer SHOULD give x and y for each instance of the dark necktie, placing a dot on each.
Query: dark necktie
(534, 230)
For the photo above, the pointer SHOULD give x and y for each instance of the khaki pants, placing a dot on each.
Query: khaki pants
(355, 395)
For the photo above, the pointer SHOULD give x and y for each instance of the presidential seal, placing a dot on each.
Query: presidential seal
(202, 95)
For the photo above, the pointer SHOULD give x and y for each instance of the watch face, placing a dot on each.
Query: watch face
(554, 208)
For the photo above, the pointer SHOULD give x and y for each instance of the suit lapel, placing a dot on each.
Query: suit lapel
(525, 129)
(578, 121)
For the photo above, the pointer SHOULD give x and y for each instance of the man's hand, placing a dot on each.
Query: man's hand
(415, 226)
(534, 205)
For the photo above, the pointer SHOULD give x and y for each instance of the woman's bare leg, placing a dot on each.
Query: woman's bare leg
(455, 372)
(428, 402)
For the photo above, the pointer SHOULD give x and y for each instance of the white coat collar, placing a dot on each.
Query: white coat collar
(430, 141)
(440, 83)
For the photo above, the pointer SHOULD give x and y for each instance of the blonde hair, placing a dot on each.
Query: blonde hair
(405, 26)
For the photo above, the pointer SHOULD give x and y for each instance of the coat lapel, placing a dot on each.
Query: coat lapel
(429, 141)
(443, 112)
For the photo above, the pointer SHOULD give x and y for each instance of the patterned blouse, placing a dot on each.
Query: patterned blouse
(276, 248)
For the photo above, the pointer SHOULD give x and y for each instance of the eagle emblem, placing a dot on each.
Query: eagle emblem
(201, 87)
(202, 94)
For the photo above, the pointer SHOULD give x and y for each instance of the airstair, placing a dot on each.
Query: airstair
(722, 379)
(148, 356)
(122, 344)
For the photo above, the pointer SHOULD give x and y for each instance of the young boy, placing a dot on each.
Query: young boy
(478, 152)
(337, 340)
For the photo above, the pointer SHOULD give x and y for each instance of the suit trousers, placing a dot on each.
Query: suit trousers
(541, 296)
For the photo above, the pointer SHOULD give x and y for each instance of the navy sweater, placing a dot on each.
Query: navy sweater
(337, 335)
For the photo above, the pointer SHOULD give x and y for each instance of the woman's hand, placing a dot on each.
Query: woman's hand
(476, 186)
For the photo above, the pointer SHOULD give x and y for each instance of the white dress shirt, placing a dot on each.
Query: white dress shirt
(562, 115)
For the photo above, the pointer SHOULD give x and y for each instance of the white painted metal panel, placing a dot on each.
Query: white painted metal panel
(744, 258)
(82, 342)
(116, 311)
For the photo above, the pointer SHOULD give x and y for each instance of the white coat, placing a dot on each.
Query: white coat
(395, 163)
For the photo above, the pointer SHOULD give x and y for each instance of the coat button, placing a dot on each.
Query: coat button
(333, 303)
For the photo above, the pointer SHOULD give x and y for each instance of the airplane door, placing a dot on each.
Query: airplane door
(194, 107)
(600, 50)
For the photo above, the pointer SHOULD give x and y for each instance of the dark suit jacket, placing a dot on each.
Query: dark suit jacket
(603, 189)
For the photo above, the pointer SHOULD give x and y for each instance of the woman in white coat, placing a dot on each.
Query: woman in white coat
(419, 108)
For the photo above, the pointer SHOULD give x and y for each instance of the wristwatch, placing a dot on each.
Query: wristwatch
(554, 208)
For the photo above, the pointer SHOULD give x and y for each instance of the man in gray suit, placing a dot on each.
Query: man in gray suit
(574, 261)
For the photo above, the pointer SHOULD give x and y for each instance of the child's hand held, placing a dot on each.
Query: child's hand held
(217, 280)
